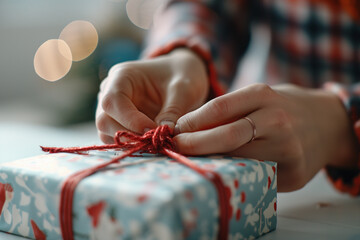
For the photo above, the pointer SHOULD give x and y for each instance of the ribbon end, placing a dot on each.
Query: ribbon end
(49, 149)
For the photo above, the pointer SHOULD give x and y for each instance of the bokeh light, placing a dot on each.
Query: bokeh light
(53, 60)
(141, 12)
(82, 38)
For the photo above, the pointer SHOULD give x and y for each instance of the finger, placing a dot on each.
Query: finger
(121, 108)
(107, 125)
(225, 109)
(176, 103)
(146, 107)
(104, 123)
(105, 138)
(221, 139)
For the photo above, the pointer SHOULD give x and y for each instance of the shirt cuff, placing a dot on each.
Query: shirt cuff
(346, 180)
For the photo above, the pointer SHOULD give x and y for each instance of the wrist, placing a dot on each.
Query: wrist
(344, 153)
(188, 56)
(189, 65)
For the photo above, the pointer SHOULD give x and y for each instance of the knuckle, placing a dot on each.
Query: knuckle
(107, 102)
(187, 123)
(218, 107)
(186, 87)
(173, 112)
(102, 122)
(121, 68)
(233, 136)
(263, 90)
(180, 83)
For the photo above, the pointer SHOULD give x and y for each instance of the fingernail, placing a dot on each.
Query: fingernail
(146, 130)
(167, 122)
(176, 130)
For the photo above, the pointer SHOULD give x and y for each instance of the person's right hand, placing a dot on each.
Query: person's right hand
(140, 95)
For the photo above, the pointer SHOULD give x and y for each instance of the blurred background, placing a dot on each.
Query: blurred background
(25, 25)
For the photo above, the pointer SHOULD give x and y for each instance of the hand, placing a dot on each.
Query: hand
(301, 129)
(140, 95)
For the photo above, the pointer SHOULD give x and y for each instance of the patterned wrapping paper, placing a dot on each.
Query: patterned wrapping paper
(143, 197)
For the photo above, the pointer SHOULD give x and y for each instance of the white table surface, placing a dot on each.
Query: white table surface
(316, 211)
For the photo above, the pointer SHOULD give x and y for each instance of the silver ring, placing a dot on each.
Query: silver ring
(253, 127)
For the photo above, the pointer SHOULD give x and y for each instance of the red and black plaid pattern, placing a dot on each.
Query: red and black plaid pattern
(314, 43)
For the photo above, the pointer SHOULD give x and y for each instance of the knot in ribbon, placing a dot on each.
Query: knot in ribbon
(153, 141)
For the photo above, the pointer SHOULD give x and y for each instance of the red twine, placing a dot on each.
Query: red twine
(155, 141)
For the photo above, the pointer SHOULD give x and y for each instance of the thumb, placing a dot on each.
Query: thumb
(173, 108)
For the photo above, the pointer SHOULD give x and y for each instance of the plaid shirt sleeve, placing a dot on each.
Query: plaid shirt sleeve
(347, 180)
(212, 29)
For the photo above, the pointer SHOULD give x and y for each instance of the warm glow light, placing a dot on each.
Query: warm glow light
(82, 38)
(141, 12)
(53, 60)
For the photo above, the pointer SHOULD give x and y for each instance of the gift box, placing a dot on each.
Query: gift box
(142, 197)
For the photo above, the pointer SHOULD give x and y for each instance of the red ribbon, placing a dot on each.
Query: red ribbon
(155, 141)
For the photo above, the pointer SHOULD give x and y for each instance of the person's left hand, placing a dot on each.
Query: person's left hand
(301, 129)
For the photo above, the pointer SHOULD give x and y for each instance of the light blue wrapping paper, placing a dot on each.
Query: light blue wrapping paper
(146, 197)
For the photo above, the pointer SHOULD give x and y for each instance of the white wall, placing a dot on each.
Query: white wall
(24, 26)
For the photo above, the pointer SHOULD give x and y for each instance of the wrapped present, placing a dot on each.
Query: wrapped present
(137, 198)
(142, 197)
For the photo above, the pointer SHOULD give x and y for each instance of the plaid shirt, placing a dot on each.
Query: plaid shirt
(313, 44)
